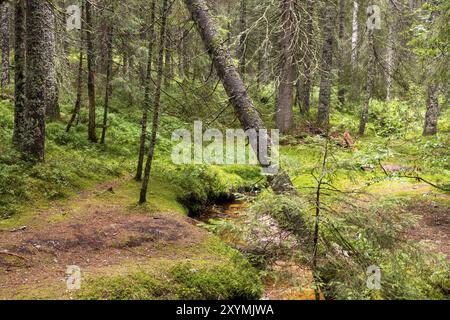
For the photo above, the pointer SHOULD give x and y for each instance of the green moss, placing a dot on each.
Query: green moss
(215, 272)
(135, 286)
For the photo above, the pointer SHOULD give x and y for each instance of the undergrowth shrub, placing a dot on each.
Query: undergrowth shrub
(355, 240)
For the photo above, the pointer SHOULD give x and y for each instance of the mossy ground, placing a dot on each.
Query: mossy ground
(50, 195)
(69, 189)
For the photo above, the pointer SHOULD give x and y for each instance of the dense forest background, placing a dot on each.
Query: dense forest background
(92, 91)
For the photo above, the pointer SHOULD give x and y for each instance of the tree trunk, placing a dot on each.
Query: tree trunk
(108, 88)
(4, 25)
(184, 54)
(305, 83)
(40, 75)
(242, 38)
(341, 59)
(369, 84)
(355, 33)
(148, 89)
(431, 117)
(285, 95)
(19, 72)
(77, 108)
(157, 103)
(92, 135)
(168, 60)
(390, 59)
(232, 82)
(52, 92)
(323, 115)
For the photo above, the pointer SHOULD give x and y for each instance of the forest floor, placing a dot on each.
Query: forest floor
(102, 231)
(433, 228)
(99, 230)
(105, 232)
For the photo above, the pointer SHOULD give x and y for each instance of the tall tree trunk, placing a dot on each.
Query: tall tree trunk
(19, 72)
(285, 95)
(168, 75)
(305, 83)
(92, 135)
(390, 57)
(157, 103)
(184, 54)
(108, 88)
(341, 59)
(77, 108)
(323, 115)
(102, 39)
(148, 89)
(4, 26)
(263, 77)
(355, 33)
(40, 75)
(52, 111)
(233, 84)
(242, 38)
(369, 84)
(431, 117)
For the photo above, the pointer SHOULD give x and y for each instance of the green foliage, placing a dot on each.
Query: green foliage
(71, 163)
(360, 238)
(287, 210)
(393, 118)
(201, 187)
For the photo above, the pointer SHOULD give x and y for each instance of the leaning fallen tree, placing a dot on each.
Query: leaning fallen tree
(232, 82)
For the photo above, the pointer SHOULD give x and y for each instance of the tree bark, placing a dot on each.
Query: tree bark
(108, 88)
(4, 26)
(168, 60)
(157, 103)
(19, 71)
(242, 38)
(184, 53)
(323, 115)
(305, 83)
(148, 89)
(92, 135)
(341, 59)
(285, 95)
(390, 57)
(355, 33)
(40, 75)
(77, 108)
(431, 116)
(52, 111)
(369, 84)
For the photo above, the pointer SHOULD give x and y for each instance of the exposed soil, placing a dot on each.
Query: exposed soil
(433, 228)
(98, 234)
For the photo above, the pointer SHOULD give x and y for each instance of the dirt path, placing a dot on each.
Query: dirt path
(91, 231)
